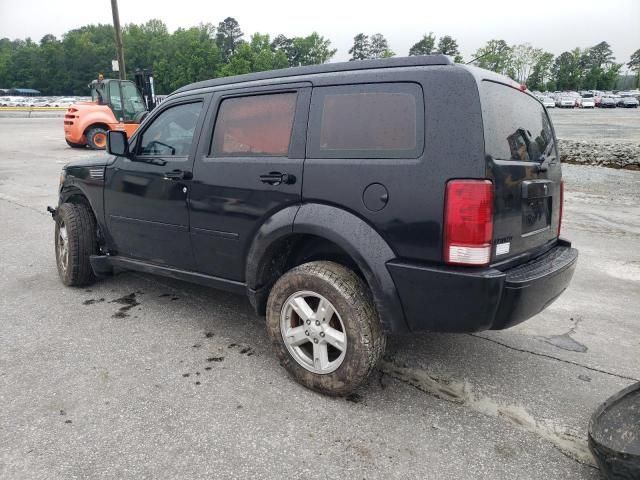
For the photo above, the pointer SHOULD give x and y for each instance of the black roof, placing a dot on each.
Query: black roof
(416, 61)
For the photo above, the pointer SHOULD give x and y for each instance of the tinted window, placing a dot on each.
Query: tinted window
(516, 126)
(171, 132)
(367, 121)
(256, 125)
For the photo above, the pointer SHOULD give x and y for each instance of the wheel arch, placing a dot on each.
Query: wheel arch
(340, 236)
(77, 195)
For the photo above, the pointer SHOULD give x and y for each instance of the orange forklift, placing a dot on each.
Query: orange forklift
(115, 105)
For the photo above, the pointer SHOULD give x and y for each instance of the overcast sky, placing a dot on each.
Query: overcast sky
(555, 25)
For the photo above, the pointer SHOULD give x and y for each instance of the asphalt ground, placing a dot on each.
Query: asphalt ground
(183, 384)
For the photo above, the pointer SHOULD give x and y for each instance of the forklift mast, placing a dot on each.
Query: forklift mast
(144, 82)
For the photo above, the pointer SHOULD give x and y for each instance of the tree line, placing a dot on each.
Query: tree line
(67, 65)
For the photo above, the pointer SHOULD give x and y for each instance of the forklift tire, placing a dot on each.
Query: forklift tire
(96, 138)
(74, 145)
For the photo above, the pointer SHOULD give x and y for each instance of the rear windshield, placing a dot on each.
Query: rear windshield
(516, 126)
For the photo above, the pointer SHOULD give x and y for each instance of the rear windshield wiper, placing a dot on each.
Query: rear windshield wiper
(546, 159)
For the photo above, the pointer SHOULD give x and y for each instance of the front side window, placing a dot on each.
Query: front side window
(171, 132)
(258, 125)
(367, 121)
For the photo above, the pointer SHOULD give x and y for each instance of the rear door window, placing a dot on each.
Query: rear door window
(383, 120)
(258, 125)
(516, 126)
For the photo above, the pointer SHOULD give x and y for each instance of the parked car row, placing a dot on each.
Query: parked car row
(13, 101)
(589, 99)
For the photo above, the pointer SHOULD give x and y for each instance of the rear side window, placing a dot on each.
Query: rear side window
(516, 126)
(367, 121)
(254, 126)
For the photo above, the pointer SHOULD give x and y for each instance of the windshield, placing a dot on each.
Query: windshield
(133, 103)
(125, 101)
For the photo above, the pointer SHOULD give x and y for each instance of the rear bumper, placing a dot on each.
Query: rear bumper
(444, 299)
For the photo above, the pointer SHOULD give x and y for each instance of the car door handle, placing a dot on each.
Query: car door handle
(178, 175)
(276, 178)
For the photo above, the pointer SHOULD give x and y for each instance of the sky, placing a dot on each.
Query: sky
(555, 25)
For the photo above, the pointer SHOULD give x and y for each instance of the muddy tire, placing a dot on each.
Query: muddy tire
(74, 145)
(96, 138)
(324, 327)
(75, 241)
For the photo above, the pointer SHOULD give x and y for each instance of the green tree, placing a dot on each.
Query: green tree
(448, 46)
(256, 56)
(361, 47)
(228, 38)
(312, 49)
(379, 47)
(87, 51)
(192, 56)
(425, 46)
(146, 44)
(523, 59)
(634, 65)
(600, 69)
(285, 44)
(494, 56)
(567, 70)
(539, 77)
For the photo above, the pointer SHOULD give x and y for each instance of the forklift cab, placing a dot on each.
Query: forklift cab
(122, 97)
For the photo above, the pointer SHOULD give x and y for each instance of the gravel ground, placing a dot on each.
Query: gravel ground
(86, 393)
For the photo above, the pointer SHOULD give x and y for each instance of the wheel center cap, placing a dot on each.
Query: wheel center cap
(314, 329)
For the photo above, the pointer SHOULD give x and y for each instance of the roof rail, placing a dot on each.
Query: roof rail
(416, 61)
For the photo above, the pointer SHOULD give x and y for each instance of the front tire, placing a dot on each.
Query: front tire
(324, 327)
(75, 241)
(96, 138)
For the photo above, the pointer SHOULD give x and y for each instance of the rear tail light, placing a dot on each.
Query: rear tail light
(468, 222)
(561, 206)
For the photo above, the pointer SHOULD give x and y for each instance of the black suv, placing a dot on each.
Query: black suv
(347, 200)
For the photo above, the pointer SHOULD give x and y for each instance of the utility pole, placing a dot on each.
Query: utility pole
(116, 26)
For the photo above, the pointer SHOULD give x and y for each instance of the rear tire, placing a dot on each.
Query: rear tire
(74, 145)
(339, 343)
(75, 241)
(96, 138)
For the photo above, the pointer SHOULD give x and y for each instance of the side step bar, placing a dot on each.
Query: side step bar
(104, 265)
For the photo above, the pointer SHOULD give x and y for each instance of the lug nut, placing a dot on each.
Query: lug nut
(306, 332)
(315, 340)
(322, 334)
(308, 322)
(317, 322)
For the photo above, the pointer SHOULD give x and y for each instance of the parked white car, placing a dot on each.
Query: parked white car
(586, 102)
(566, 101)
(16, 102)
(63, 102)
(548, 102)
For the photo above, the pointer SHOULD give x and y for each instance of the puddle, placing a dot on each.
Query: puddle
(569, 443)
(128, 302)
(92, 301)
(565, 342)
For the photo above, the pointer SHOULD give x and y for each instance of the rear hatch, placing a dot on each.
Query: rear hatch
(524, 165)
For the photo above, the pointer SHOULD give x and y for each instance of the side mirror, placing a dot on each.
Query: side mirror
(117, 143)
